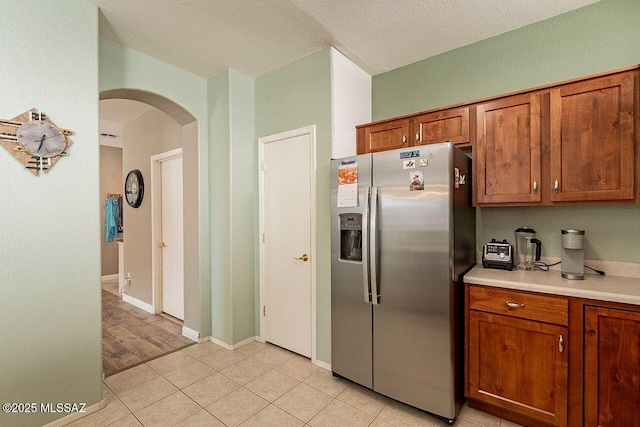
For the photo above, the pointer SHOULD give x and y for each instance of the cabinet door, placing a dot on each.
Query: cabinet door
(592, 141)
(440, 126)
(519, 365)
(386, 136)
(612, 367)
(508, 147)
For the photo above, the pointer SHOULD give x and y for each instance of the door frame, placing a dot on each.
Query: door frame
(311, 131)
(156, 225)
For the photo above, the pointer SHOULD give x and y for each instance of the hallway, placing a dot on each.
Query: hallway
(131, 336)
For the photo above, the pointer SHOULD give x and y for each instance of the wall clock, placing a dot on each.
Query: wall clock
(34, 140)
(134, 188)
(41, 138)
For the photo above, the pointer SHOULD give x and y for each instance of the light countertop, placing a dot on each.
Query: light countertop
(605, 288)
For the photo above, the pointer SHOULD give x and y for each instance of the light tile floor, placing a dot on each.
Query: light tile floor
(257, 385)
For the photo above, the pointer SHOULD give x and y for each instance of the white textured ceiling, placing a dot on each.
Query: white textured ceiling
(121, 111)
(257, 36)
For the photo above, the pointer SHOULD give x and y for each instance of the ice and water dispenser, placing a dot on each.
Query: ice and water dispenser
(351, 237)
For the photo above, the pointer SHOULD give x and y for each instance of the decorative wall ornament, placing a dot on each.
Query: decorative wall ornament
(34, 140)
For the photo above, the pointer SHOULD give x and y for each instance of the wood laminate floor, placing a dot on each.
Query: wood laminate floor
(131, 336)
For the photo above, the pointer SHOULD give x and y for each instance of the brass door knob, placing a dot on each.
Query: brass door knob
(304, 258)
(162, 245)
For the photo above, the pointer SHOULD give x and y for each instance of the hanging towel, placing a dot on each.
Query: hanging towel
(111, 220)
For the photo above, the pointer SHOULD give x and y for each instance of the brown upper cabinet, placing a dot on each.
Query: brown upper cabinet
(384, 136)
(579, 146)
(439, 126)
(592, 139)
(507, 152)
(427, 128)
(563, 143)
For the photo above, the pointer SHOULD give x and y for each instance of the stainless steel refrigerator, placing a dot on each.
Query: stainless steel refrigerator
(403, 233)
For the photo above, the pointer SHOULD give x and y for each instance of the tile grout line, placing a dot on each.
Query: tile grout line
(332, 398)
(271, 368)
(130, 411)
(274, 368)
(200, 406)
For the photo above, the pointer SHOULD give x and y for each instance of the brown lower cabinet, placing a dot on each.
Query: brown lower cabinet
(516, 364)
(516, 353)
(612, 367)
(547, 360)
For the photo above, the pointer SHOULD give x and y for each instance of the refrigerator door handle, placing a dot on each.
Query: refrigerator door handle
(365, 246)
(373, 245)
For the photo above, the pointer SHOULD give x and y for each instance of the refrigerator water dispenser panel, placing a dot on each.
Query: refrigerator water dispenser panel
(351, 237)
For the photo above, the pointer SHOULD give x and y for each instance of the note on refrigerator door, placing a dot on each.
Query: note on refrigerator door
(348, 184)
(347, 195)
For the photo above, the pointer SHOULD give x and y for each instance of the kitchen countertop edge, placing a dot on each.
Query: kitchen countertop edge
(624, 290)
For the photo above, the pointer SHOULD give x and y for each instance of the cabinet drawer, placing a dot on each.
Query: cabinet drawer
(523, 305)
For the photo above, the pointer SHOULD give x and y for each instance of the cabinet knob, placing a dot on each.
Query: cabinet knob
(535, 187)
(417, 136)
(556, 186)
(404, 138)
(561, 344)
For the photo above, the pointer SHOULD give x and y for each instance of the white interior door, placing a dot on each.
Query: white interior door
(286, 267)
(172, 238)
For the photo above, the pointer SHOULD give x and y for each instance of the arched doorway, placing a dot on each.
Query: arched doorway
(161, 125)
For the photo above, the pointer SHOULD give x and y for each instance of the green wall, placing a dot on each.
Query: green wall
(292, 97)
(220, 202)
(232, 158)
(611, 230)
(595, 38)
(244, 166)
(50, 298)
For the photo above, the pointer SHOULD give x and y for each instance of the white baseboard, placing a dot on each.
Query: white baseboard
(232, 346)
(316, 362)
(136, 302)
(323, 365)
(244, 342)
(78, 415)
(191, 334)
(109, 277)
(221, 343)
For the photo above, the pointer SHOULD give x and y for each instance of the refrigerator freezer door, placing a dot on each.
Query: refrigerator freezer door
(413, 360)
(351, 340)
